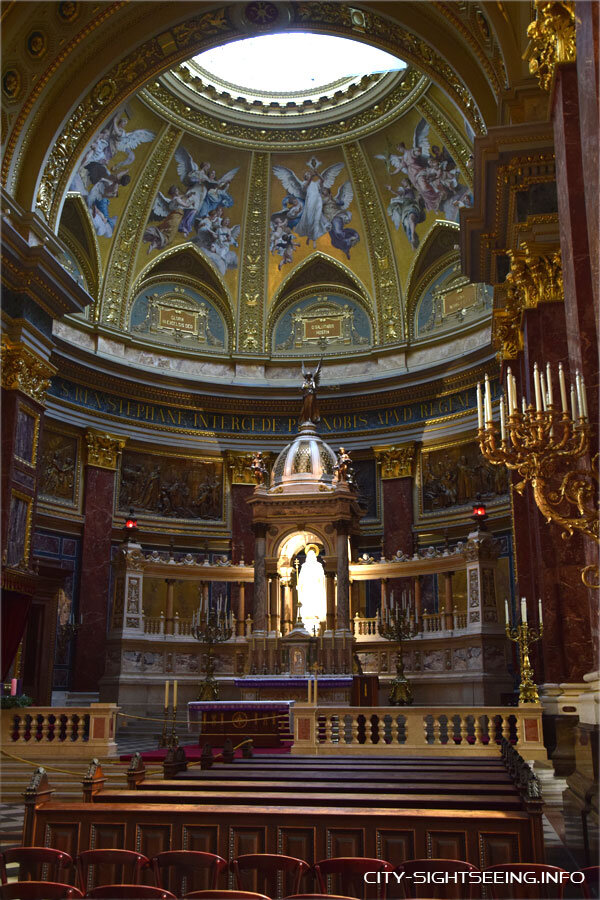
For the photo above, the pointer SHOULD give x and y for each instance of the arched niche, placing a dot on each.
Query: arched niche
(447, 301)
(82, 257)
(320, 308)
(168, 311)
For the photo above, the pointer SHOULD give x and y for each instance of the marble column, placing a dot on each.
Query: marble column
(241, 610)
(330, 595)
(343, 578)
(260, 579)
(170, 606)
(396, 468)
(275, 595)
(102, 455)
(242, 540)
(448, 601)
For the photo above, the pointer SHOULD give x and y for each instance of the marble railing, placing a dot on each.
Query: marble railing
(365, 628)
(424, 731)
(34, 732)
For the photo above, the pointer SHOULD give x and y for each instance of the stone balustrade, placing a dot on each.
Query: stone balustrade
(368, 628)
(421, 731)
(75, 732)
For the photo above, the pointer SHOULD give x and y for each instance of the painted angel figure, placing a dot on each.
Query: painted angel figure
(312, 191)
(170, 210)
(105, 185)
(310, 406)
(122, 141)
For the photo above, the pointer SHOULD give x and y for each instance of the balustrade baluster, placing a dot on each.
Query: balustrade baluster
(464, 732)
(21, 726)
(45, 728)
(329, 729)
(425, 730)
(80, 727)
(70, 730)
(394, 729)
(436, 729)
(354, 728)
(506, 728)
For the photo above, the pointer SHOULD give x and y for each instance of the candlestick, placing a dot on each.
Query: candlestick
(549, 380)
(175, 693)
(479, 407)
(166, 694)
(573, 406)
(537, 388)
(541, 621)
(506, 619)
(523, 610)
(563, 388)
(584, 398)
(543, 391)
(579, 395)
(502, 420)
(488, 400)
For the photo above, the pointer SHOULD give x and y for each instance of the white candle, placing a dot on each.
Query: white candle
(523, 406)
(509, 395)
(540, 610)
(479, 407)
(549, 379)
(573, 405)
(488, 402)
(392, 600)
(166, 694)
(584, 398)
(506, 619)
(523, 609)
(537, 388)
(563, 388)
(543, 390)
(175, 694)
(502, 420)
(579, 397)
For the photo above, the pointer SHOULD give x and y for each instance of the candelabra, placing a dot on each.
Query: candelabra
(543, 444)
(210, 629)
(65, 633)
(399, 627)
(524, 636)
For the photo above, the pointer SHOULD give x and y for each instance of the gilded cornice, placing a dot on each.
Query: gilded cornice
(552, 39)
(469, 19)
(102, 449)
(240, 467)
(396, 461)
(388, 295)
(120, 269)
(25, 371)
(199, 122)
(253, 277)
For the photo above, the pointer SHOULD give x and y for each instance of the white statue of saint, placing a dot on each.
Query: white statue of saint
(311, 592)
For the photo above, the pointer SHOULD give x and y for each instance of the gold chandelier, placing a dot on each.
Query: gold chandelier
(548, 447)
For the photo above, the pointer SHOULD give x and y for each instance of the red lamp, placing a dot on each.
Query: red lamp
(130, 524)
(479, 514)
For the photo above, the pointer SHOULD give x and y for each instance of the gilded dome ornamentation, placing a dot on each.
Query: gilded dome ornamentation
(305, 465)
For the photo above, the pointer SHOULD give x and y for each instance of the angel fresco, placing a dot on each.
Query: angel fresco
(430, 183)
(200, 208)
(98, 178)
(310, 209)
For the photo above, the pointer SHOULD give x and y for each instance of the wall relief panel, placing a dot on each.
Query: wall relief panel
(173, 314)
(456, 475)
(58, 471)
(327, 323)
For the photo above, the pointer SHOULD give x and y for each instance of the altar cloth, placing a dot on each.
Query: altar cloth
(239, 719)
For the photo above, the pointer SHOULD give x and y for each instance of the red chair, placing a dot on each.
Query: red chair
(590, 885)
(184, 864)
(267, 867)
(38, 890)
(130, 892)
(523, 890)
(114, 859)
(351, 872)
(318, 897)
(226, 895)
(29, 858)
(461, 890)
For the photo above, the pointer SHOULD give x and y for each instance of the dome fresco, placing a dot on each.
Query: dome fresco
(364, 196)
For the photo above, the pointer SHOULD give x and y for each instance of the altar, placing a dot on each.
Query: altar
(217, 720)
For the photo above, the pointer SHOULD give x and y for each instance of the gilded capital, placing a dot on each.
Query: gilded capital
(240, 467)
(552, 39)
(23, 370)
(103, 449)
(396, 462)
(534, 278)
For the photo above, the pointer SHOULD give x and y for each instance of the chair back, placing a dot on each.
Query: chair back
(318, 897)
(349, 872)
(108, 866)
(590, 885)
(130, 892)
(187, 870)
(226, 895)
(273, 873)
(42, 863)
(38, 890)
(461, 889)
(515, 886)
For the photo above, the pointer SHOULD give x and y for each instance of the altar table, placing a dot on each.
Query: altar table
(239, 719)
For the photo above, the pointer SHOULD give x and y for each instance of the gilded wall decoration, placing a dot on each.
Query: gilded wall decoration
(387, 286)
(197, 205)
(170, 487)
(396, 462)
(103, 450)
(58, 471)
(23, 370)
(253, 285)
(176, 314)
(326, 323)
(456, 475)
(450, 301)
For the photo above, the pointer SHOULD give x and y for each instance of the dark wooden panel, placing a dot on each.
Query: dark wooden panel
(495, 849)
(345, 842)
(395, 846)
(108, 835)
(62, 836)
(447, 844)
(152, 839)
(204, 838)
(243, 840)
(298, 842)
